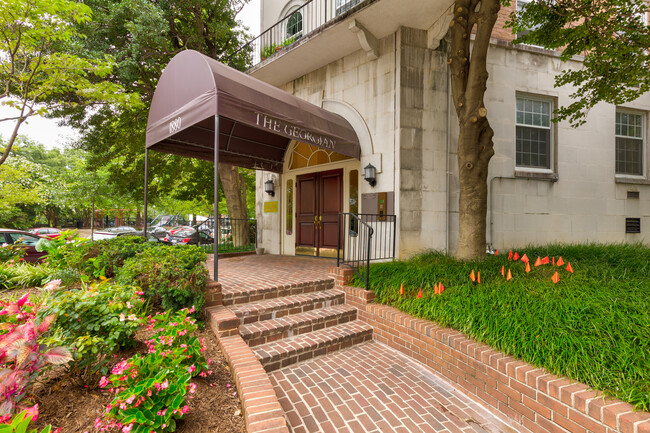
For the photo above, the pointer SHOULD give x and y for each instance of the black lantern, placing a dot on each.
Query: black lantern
(370, 174)
(269, 188)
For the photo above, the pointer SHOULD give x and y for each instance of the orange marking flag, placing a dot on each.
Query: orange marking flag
(420, 293)
(569, 268)
(472, 276)
(441, 288)
(509, 277)
(560, 262)
(478, 279)
(527, 267)
(553, 260)
(496, 252)
(510, 255)
(525, 258)
(503, 271)
(545, 261)
(516, 256)
(401, 289)
(538, 262)
(435, 289)
(555, 278)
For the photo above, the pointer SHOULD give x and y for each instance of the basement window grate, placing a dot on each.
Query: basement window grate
(633, 194)
(632, 225)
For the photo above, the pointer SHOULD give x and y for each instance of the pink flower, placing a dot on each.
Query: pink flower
(184, 409)
(33, 412)
(127, 428)
(192, 388)
(130, 399)
(122, 317)
(52, 285)
(103, 382)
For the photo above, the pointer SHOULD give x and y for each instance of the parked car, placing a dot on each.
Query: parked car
(49, 232)
(175, 229)
(112, 232)
(150, 237)
(158, 232)
(189, 237)
(24, 239)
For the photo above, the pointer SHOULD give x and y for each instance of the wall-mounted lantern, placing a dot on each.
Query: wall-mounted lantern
(370, 174)
(269, 187)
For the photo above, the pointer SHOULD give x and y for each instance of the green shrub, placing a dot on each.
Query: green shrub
(98, 258)
(173, 277)
(11, 252)
(30, 275)
(7, 272)
(96, 321)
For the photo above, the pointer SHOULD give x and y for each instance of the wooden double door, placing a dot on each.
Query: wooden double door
(319, 202)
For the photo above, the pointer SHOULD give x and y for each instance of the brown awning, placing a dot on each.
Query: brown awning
(257, 121)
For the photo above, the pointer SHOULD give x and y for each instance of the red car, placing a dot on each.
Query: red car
(24, 239)
(49, 232)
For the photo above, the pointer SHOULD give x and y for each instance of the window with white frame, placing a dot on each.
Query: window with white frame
(520, 6)
(534, 133)
(294, 25)
(630, 142)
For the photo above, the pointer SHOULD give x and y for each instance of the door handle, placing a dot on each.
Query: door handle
(315, 222)
(320, 222)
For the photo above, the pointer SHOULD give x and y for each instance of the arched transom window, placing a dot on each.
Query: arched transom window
(305, 155)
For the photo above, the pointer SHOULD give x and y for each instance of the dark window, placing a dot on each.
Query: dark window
(294, 25)
(345, 5)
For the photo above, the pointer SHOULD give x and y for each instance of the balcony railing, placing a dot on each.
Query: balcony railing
(301, 22)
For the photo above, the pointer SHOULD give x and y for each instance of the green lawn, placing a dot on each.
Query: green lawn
(592, 326)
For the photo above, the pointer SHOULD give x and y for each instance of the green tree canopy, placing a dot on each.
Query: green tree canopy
(612, 39)
(39, 68)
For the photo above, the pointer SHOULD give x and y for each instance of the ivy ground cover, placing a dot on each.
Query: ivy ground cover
(592, 325)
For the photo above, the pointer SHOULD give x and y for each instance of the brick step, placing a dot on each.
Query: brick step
(267, 331)
(281, 353)
(279, 307)
(241, 295)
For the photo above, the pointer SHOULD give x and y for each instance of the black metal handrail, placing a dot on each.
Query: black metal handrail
(357, 232)
(304, 20)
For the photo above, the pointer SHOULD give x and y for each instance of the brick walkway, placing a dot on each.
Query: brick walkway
(372, 388)
(268, 271)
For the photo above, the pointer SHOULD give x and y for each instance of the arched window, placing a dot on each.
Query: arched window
(294, 25)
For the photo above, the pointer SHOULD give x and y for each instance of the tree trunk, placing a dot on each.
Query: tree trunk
(468, 67)
(232, 188)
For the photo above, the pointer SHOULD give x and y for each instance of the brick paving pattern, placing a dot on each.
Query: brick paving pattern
(267, 271)
(373, 388)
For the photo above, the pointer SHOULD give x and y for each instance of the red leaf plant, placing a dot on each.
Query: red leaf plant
(22, 358)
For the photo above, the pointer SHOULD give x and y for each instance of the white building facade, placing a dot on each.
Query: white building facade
(382, 65)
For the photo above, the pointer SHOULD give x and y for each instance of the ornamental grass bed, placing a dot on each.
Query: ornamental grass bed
(592, 325)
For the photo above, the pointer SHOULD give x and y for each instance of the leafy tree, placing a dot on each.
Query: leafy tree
(143, 36)
(37, 72)
(609, 33)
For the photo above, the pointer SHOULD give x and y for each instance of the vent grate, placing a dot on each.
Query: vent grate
(632, 225)
(633, 194)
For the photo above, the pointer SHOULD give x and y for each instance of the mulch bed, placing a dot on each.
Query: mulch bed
(215, 407)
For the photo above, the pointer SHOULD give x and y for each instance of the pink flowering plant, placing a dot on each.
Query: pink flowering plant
(150, 389)
(22, 358)
(97, 321)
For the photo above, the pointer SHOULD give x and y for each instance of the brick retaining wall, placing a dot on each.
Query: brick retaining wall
(539, 401)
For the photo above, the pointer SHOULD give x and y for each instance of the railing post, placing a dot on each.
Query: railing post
(338, 244)
(370, 231)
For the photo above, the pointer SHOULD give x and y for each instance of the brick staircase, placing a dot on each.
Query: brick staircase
(289, 323)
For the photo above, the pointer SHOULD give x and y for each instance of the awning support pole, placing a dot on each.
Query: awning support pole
(146, 191)
(215, 221)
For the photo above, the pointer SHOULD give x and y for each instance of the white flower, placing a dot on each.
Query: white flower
(122, 317)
